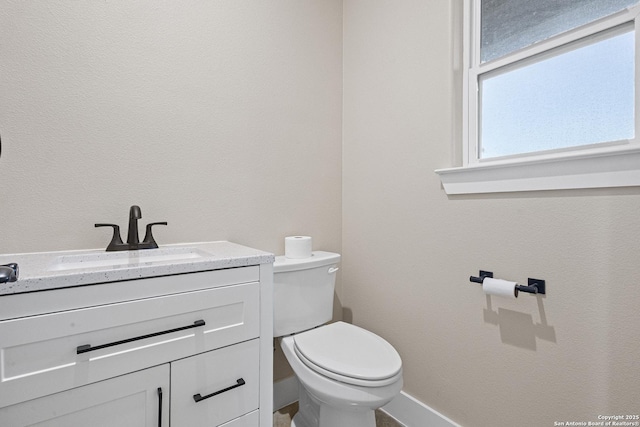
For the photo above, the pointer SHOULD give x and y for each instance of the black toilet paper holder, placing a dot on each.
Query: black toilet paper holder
(534, 286)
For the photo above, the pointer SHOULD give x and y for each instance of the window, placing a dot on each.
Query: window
(550, 96)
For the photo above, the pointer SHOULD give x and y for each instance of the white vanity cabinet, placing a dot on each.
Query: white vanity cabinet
(183, 350)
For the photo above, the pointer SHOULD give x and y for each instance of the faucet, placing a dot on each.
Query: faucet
(134, 215)
(133, 241)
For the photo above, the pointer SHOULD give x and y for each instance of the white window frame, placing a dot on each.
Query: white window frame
(613, 164)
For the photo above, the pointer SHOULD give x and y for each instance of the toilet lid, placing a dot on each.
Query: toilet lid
(349, 351)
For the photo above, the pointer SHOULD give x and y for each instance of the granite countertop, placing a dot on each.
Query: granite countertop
(53, 270)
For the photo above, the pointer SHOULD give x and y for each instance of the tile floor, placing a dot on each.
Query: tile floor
(282, 418)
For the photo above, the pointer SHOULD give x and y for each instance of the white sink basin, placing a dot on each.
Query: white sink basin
(124, 259)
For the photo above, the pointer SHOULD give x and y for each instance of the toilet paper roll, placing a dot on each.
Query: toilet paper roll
(297, 247)
(499, 287)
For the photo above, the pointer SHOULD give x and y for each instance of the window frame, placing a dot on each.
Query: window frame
(608, 164)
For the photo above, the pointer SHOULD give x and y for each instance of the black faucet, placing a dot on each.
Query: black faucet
(133, 241)
(134, 215)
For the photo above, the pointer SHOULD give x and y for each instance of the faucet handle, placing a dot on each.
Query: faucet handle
(9, 272)
(149, 242)
(116, 242)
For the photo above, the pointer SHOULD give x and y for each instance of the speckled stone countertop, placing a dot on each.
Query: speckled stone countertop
(52, 270)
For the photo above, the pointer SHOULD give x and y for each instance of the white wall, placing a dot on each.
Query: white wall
(409, 249)
(221, 117)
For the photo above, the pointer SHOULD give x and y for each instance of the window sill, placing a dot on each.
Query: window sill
(612, 168)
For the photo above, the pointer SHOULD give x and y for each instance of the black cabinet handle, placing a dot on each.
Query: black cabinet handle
(87, 347)
(198, 398)
(159, 406)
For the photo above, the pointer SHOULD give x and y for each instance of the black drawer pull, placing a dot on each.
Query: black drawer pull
(87, 347)
(198, 398)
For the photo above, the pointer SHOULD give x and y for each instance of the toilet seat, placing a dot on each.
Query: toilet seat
(349, 354)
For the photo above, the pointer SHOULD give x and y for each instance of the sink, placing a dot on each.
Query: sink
(124, 259)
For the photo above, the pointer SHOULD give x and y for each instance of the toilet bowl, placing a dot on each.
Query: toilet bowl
(344, 372)
(344, 391)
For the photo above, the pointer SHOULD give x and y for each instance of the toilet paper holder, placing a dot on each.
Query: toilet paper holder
(534, 286)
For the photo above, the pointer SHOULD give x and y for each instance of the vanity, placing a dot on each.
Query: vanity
(177, 336)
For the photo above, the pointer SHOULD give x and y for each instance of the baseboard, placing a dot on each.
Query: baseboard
(285, 392)
(410, 412)
(406, 409)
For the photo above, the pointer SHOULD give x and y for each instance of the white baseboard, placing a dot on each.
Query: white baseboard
(406, 409)
(285, 392)
(410, 412)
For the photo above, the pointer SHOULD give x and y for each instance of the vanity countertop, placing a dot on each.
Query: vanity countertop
(52, 270)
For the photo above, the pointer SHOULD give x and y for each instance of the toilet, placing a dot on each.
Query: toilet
(344, 372)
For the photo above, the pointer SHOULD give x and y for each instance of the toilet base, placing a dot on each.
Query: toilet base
(331, 418)
(312, 413)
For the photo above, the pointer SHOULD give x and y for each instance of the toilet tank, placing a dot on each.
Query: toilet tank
(303, 292)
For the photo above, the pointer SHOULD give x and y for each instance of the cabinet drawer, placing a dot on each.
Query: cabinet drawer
(226, 381)
(252, 419)
(36, 303)
(41, 355)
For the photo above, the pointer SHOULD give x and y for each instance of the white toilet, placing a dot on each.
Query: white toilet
(344, 372)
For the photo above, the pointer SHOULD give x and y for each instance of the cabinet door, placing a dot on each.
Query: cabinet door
(132, 400)
(212, 388)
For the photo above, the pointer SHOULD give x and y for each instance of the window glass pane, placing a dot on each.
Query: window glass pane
(582, 96)
(509, 25)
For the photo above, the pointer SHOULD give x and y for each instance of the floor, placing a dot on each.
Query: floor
(282, 418)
